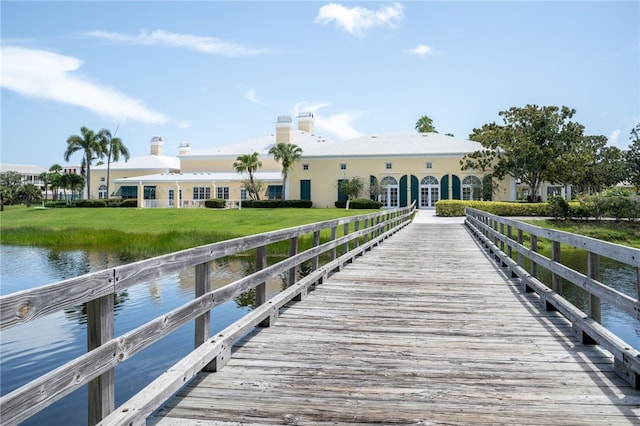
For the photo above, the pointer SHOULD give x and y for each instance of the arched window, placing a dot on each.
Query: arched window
(389, 193)
(102, 192)
(429, 191)
(471, 188)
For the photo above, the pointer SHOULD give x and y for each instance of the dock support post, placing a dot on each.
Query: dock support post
(99, 331)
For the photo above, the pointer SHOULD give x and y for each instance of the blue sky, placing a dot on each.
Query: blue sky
(214, 73)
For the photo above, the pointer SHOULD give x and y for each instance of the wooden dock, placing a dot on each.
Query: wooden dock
(424, 329)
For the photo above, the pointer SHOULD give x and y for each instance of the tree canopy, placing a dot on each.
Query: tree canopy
(425, 125)
(633, 157)
(113, 148)
(286, 154)
(534, 145)
(90, 144)
(249, 163)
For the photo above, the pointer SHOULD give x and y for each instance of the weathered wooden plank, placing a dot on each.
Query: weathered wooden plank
(393, 341)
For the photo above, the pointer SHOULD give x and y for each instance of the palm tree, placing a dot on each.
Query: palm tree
(76, 183)
(287, 154)
(55, 174)
(89, 143)
(425, 125)
(113, 148)
(249, 163)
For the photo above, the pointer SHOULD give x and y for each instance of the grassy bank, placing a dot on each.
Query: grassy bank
(146, 232)
(623, 232)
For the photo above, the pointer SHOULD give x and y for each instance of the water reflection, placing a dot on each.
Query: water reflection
(33, 349)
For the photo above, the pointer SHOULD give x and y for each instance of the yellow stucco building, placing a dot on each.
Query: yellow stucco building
(399, 168)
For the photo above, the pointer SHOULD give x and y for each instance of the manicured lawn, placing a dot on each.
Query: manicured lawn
(623, 232)
(146, 232)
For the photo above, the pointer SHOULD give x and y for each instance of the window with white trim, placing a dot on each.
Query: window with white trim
(388, 166)
(343, 166)
(201, 192)
(429, 165)
(305, 167)
(222, 192)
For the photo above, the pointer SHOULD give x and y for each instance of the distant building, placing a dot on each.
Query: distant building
(405, 167)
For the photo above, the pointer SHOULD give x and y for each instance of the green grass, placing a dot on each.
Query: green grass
(146, 232)
(620, 232)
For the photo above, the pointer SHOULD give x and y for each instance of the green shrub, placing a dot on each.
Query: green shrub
(129, 202)
(272, 204)
(57, 204)
(91, 203)
(451, 208)
(558, 207)
(359, 203)
(215, 203)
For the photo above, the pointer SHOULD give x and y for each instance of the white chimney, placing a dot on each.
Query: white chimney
(184, 148)
(156, 145)
(305, 122)
(284, 129)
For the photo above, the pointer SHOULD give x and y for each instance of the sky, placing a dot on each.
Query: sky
(219, 72)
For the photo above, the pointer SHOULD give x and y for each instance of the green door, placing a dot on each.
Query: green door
(403, 191)
(457, 188)
(415, 189)
(444, 187)
(341, 196)
(305, 189)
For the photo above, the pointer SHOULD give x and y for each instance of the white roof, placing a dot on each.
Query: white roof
(199, 177)
(25, 169)
(261, 145)
(397, 144)
(155, 162)
(387, 145)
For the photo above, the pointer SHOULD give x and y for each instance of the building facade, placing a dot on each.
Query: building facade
(399, 169)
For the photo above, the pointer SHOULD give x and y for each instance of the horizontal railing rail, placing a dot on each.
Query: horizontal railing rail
(106, 351)
(505, 239)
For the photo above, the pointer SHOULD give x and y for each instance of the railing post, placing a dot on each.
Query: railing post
(316, 243)
(356, 228)
(556, 282)
(510, 237)
(366, 225)
(293, 250)
(501, 233)
(534, 248)
(593, 302)
(345, 246)
(332, 253)
(520, 255)
(203, 322)
(99, 331)
(261, 289)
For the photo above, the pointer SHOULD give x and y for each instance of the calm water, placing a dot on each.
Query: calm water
(32, 350)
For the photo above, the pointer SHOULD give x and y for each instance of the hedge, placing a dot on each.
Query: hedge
(451, 208)
(272, 204)
(91, 203)
(359, 203)
(215, 203)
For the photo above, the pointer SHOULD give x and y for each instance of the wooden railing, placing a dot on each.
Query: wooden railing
(505, 239)
(352, 236)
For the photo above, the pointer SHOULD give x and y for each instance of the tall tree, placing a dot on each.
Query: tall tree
(249, 163)
(113, 148)
(633, 157)
(425, 125)
(89, 143)
(10, 181)
(55, 179)
(286, 154)
(527, 145)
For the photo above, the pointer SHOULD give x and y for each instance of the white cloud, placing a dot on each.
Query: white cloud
(339, 124)
(250, 94)
(421, 50)
(357, 20)
(209, 45)
(51, 76)
(613, 137)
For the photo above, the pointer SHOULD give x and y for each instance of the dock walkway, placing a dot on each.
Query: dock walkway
(424, 329)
